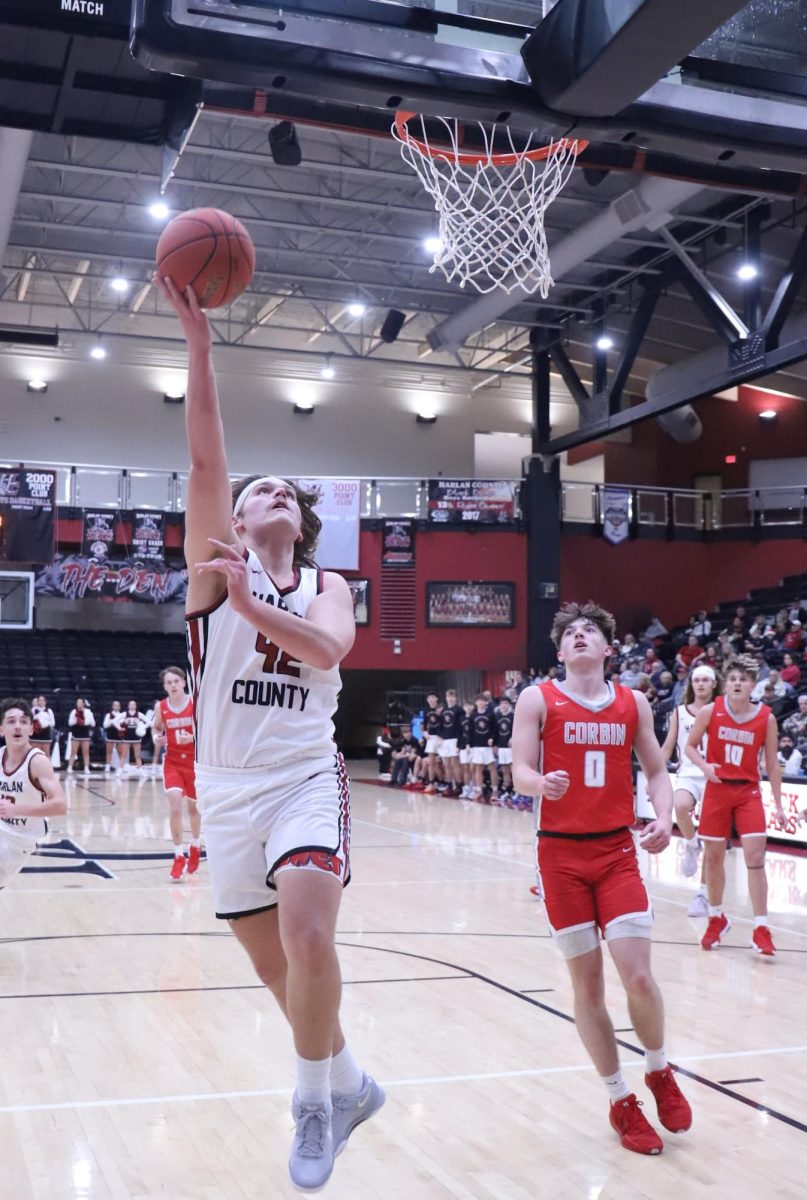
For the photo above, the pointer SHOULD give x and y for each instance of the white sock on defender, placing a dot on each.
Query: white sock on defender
(346, 1074)
(313, 1080)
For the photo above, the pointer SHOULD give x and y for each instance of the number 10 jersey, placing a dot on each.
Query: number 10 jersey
(594, 744)
(254, 706)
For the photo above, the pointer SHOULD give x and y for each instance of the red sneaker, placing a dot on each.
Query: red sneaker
(194, 858)
(673, 1109)
(178, 867)
(762, 941)
(716, 930)
(634, 1130)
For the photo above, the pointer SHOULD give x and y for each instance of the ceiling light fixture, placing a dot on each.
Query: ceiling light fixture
(119, 284)
(433, 245)
(159, 210)
(36, 385)
(306, 407)
(98, 352)
(768, 414)
(327, 371)
(604, 342)
(747, 271)
(357, 309)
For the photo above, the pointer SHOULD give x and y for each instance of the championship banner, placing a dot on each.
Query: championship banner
(398, 543)
(74, 577)
(483, 501)
(98, 538)
(616, 515)
(148, 534)
(27, 508)
(339, 509)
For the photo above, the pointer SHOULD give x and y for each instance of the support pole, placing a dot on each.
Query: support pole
(542, 514)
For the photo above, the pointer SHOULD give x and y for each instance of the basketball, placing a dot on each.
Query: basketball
(211, 252)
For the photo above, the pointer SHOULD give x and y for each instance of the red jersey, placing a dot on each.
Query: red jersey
(179, 729)
(734, 746)
(594, 747)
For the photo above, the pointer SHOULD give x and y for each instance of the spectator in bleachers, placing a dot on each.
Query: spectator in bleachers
(404, 753)
(789, 757)
(383, 753)
(774, 681)
(701, 626)
(664, 686)
(81, 723)
(777, 704)
(630, 674)
(794, 638)
(689, 654)
(680, 685)
(790, 672)
(796, 724)
(656, 629)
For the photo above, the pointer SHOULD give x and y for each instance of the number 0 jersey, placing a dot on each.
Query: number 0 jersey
(735, 746)
(594, 746)
(254, 706)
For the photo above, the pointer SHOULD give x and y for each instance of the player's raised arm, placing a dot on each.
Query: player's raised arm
(208, 509)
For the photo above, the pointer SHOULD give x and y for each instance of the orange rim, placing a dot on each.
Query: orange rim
(471, 158)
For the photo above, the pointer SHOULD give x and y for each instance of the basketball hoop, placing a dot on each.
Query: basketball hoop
(491, 206)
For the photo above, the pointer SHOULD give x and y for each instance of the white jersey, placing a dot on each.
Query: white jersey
(253, 705)
(19, 786)
(686, 721)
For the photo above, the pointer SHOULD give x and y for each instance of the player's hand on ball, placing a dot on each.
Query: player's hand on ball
(232, 565)
(556, 784)
(655, 837)
(194, 323)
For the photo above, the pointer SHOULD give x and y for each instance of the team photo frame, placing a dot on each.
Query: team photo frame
(481, 604)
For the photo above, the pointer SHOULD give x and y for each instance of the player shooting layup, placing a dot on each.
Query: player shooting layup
(267, 631)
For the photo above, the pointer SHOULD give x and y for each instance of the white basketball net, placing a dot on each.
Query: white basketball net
(491, 214)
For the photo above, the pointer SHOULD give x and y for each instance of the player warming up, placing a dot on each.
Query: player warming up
(267, 631)
(173, 728)
(737, 731)
(29, 789)
(572, 745)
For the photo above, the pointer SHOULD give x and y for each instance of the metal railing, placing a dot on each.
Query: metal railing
(686, 508)
(85, 485)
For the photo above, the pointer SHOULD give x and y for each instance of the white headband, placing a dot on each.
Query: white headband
(246, 492)
(707, 671)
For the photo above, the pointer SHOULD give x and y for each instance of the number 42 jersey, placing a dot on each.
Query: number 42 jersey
(594, 745)
(256, 707)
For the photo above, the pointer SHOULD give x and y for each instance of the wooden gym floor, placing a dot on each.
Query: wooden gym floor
(141, 1059)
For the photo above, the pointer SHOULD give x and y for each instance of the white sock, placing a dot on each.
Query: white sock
(196, 842)
(758, 921)
(701, 890)
(615, 1086)
(655, 1060)
(693, 841)
(179, 850)
(347, 1076)
(313, 1080)
(715, 910)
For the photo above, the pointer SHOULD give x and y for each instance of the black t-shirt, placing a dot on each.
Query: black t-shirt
(504, 730)
(464, 738)
(433, 722)
(481, 728)
(452, 719)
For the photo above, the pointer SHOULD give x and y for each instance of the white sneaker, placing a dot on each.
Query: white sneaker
(699, 906)
(86, 772)
(691, 859)
(350, 1111)
(107, 769)
(311, 1159)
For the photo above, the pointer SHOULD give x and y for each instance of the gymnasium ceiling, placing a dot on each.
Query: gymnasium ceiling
(348, 224)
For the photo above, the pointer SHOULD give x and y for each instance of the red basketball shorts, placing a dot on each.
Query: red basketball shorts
(590, 886)
(179, 773)
(727, 804)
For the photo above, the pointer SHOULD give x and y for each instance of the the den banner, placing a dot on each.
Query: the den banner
(27, 511)
(74, 577)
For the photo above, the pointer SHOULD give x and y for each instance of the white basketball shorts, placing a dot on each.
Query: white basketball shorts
(448, 748)
(465, 755)
(505, 756)
(481, 756)
(433, 744)
(694, 784)
(258, 823)
(13, 853)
